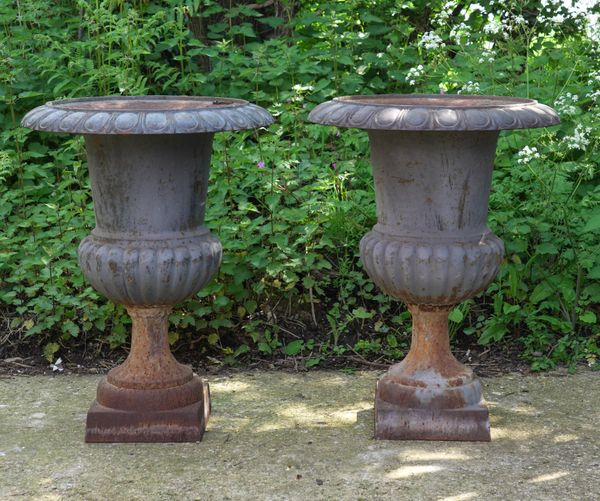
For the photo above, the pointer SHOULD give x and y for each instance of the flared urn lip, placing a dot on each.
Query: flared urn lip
(434, 112)
(146, 115)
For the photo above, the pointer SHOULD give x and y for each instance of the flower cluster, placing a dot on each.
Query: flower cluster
(442, 17)
(527, 154)
(414, 74)
(470, 88)
(594, 96)
(565, 104)
(580, 13)
(457, 33)
(594, 78)
(580, 139)
(488, 54)
(493, 26)
(431, 41)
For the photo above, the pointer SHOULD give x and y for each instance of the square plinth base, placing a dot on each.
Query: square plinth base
(396, 423)
(183, 424)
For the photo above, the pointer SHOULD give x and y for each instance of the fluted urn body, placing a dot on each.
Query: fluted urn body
(432, 158)
(149, 161)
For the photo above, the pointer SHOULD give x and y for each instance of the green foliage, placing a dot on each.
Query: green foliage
(291, 203)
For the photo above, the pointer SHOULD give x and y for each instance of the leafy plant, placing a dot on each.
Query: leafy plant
(291, 203)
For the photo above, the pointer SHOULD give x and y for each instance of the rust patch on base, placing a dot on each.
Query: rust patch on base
(182, 424)
(430, 395)
(393, 422)
(150, 397)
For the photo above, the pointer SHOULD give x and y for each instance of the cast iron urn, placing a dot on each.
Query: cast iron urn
(432, 159)
(149, 160)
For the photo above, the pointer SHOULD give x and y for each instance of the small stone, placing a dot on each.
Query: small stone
(319, 481)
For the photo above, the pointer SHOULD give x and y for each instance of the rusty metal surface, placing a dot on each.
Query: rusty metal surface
(432, 158)
(146, 115)
(430, 395)
(141, 424)
(150, 248)
(434, 112)
(393, 422)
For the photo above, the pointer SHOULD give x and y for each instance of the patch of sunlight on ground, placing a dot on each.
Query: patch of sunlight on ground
(565, 437)
(413, 470)
(229, 386)
(349, 415)
(525, 410)
(417, 455)
(513, 434)
(303, 415)
(548, 477)
(460, 497)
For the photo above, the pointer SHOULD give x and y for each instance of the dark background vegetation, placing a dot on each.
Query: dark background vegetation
(291, 203)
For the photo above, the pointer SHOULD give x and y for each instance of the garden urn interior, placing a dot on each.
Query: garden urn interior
(432, 158)
(149, 160)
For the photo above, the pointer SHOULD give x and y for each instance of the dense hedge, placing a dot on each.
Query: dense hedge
(290, 203)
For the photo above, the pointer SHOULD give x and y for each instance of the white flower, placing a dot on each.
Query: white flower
(594, 96)
(458, 32)
(565, 104)
(431, 41)
(527, 154)
(594, 77)
(488, 55)
(470, 88)
(475, 8)
(493, 26)
(580, 138)
(414, 74)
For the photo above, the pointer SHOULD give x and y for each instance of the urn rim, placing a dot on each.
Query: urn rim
(146, 115)
(434, 112)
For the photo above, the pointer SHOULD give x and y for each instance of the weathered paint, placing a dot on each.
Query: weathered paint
(149, 161)
(432, 158)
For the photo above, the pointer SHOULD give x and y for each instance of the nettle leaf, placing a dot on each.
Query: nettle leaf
(594, 272)
(593, 223)
(456, 315)
(293, 348)
(547, 248)
(589, 317)
(541, 292)
(493, 332)
(311, 362)
(362, 313)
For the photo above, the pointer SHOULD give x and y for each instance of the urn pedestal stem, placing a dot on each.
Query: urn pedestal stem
(149, 160)
(432, 158)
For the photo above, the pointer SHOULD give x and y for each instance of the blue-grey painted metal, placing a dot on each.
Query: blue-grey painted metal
(421, 112)
(146, 115)
(432, 159)
(149, 161)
